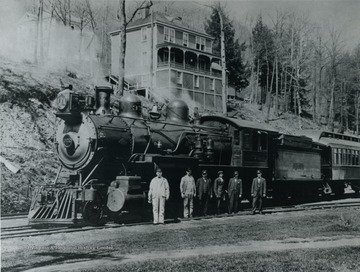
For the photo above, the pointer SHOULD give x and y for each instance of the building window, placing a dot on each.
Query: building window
(185, 39)
(247, 141)
(353, 158)
(200, 43)
(196, 83)
(172, 35)
(336, 156)
(144, 34)
(169, 35)
(212, 84)
(179, 77)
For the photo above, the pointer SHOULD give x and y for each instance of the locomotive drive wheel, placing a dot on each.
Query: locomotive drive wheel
(92, 212)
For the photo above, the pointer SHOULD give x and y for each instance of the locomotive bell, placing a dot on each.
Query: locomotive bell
(177, 111)
(130, 106)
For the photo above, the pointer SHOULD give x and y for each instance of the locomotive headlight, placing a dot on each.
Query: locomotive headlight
(68, 142)
(62, 102)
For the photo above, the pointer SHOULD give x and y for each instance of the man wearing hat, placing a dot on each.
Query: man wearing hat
(219, 190)
(204, 191)
(158, 193)
(258, 191)
(235, 192)
(188, 192)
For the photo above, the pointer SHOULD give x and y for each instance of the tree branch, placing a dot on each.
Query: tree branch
(137, 9)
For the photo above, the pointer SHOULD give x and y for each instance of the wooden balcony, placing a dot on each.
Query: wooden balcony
(189, 68)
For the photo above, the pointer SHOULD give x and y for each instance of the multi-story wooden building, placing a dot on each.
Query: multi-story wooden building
(165, 57)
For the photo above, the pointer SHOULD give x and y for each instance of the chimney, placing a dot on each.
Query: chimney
(146, 12)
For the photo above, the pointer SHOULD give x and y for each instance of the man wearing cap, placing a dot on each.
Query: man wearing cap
(204, 192)
(235, 192)
(219, 190)
(188, 192)
(258, 191)
(158, 193)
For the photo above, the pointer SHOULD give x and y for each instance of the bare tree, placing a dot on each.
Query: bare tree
(123, 22)
(279, 29)
(62, 11)
(334, 49)
(39, 35)
(220, 11)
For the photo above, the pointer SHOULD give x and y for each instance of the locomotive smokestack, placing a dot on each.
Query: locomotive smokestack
(102, 97)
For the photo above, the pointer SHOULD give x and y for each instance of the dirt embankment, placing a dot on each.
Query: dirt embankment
(27, 121)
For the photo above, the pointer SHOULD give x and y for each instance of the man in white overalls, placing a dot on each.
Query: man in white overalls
(158, 194)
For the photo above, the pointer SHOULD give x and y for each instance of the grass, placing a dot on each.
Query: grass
(142, 239)
(338, 259)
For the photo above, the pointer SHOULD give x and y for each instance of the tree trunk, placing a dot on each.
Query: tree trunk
(258, 99)
(69, 9)
(268, 97)
(80, 49)
(299, 105)
(122, 47)
(48, 43)
(37, 34)
(314, 96)
(341, 109)
(331, 108)
(41, 43)
(277, 86)
(285, 107)
(357, 112)
(346, 110)
(223, 62)
(295, 100)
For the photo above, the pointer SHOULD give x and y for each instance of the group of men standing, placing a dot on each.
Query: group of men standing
(205, 190)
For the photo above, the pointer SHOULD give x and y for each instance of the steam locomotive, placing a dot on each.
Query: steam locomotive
(115, 155)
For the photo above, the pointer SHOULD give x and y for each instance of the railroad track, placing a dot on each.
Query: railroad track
(30, 231)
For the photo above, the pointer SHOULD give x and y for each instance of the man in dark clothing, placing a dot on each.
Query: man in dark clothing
(204, 192)
(219, 191)
(258, 191)
(235, 192)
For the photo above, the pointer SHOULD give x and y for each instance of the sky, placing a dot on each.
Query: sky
(344, 15)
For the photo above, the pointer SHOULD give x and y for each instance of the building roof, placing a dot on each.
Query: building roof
(161, 18)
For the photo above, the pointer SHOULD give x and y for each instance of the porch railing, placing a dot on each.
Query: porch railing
(189, 68)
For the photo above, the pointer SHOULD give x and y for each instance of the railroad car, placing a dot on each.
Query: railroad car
(114, 155)
(340, 160)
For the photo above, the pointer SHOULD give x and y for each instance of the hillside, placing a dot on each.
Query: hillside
(28, 125)
(27, 128)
